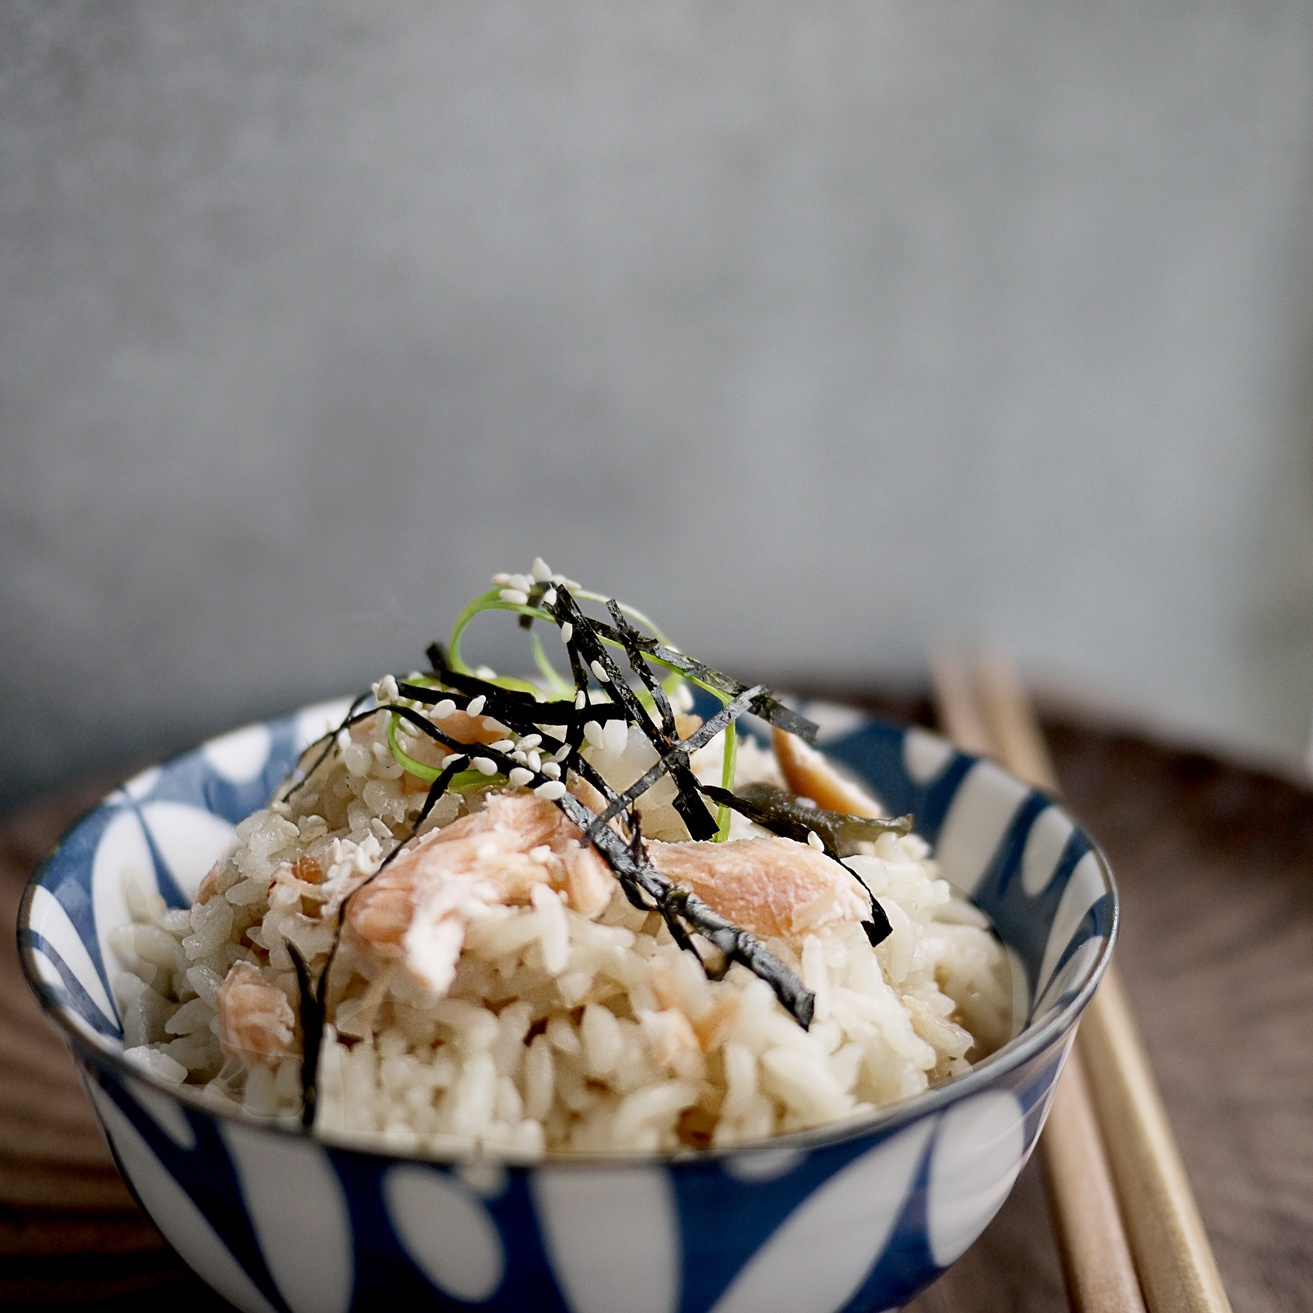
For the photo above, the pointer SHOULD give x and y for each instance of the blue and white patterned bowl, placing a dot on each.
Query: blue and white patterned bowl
(859, 1217)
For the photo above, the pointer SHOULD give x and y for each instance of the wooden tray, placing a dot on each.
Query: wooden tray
(1215, 863)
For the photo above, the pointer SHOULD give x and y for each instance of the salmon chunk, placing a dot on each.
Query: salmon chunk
(497, 855)
(771, 887)
(256, 1022)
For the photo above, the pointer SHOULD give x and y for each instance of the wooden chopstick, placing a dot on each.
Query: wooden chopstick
(1176, 1264)
(1096, 1258)
(1177, 1270)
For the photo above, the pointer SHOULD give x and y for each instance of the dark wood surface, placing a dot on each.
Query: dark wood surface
(1215, 864)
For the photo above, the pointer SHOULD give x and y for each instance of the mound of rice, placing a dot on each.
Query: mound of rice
(560, 1031)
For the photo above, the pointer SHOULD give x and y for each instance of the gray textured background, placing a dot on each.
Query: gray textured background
(820, 331)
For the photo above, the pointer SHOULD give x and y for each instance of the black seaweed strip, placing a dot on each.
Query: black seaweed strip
(457, 679)
(683, 940)
(578, 673)
(775, 822)
(574, 732)
(521, 724)
(758, 803)
(877, 928)
(504, 762)
(426, 726)
(529, 712)
(313, 1014)
(731, 711)
(506, 698)
(669, 915)
(436, 790)
(582, 766)
(638, 663)
(521, 721)
(769, 708)
(521, 714)
(591, 649)
(672, 900)
(774, 712)
(638, 859)
(328, 740)
(697, 820)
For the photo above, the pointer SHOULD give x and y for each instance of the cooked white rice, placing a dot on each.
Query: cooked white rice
(560, 1032)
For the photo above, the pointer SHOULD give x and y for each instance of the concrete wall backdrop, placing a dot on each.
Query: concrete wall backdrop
(819, 331)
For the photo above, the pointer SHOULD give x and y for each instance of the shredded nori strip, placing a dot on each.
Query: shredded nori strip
(313, 1015)
(592, 651)
(677, 758)
(329, 741)
(784, 813)
(767, 706)
(630, 636)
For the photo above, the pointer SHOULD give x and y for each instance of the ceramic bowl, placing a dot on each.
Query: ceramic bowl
(860, 1216)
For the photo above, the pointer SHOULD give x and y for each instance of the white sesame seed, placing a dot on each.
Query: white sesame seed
(386, 690)
(502, 745)
(549, 597)
(542, 572)
(501, 580)
(594, 733)
(515, 596)
(600, 671)
(522, 582)
(580, 700)
(530, 741)
(484, 766)
(814, 840)
(535, 760)
(443, 709)
(551, 770)
(567, 632)
(486, 672)
(550, 791)
(452, 758)
(520, 776)
(474, 706)
(562, 752)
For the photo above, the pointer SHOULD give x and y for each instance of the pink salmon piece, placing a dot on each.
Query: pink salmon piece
(496, 855)
(256, 1022)
(771, 887)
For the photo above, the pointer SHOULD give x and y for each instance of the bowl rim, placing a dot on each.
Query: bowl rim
(1021, 1049)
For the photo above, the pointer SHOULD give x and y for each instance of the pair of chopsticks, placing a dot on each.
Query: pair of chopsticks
(1128, 1229)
